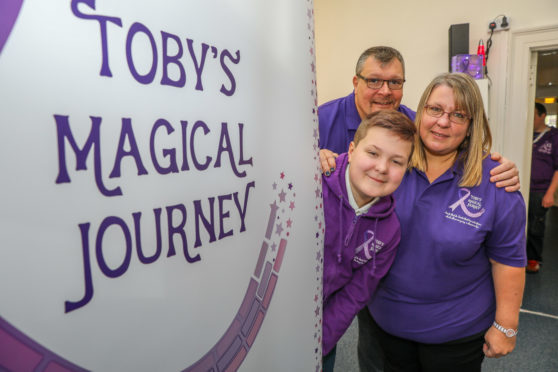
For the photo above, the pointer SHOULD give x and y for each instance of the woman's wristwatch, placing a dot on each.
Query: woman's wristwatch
(509, 332)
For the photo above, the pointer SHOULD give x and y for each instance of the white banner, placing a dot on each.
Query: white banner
(160, 199)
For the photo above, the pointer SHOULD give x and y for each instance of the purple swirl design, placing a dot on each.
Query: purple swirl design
(20, 353)
(229, 352)
(9, 10)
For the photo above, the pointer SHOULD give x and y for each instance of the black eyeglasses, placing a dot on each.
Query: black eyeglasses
(455, 116)
(374, 83)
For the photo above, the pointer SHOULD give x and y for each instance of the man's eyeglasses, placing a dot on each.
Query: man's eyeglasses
(374, 83)
(455, 116)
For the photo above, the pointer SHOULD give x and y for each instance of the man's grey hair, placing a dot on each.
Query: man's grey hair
(383, 54)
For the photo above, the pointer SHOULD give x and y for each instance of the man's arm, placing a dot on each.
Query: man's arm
(548, 199)
(506, 174)
(327, 161)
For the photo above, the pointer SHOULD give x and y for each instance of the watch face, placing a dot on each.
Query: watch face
(510, 332)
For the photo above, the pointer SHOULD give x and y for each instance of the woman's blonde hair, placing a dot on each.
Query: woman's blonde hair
(478, 141)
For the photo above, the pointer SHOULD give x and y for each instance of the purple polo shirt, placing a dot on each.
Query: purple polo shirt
(544, 161)
(440, 286)
(339, 120)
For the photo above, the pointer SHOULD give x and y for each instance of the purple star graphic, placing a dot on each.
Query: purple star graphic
(274, 185)
(290, 185)
(273, 247)
(317, 192)
(279, 229)
(318, 256)
(317, 268)
(292, 206)
(317, 311)
(289, 222)
(282, 196)
(316, 298)
(315, 133)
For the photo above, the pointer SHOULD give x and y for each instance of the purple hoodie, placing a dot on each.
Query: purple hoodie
(358, 252)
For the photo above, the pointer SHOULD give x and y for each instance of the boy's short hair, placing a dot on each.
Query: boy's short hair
(394, 121)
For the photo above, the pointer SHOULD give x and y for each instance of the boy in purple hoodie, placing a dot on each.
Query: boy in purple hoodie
(361, 229)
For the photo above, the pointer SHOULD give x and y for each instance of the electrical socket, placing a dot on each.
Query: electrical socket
(498, 23)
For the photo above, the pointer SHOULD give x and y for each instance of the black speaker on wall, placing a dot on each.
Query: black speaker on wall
(458, 40)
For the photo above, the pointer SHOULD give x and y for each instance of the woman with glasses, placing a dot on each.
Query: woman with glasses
(453, 293)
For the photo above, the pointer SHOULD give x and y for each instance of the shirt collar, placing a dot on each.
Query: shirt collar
(456, 170)
(352, 118)
(352, 202)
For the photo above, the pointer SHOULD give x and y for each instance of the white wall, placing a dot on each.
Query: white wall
(419, 30)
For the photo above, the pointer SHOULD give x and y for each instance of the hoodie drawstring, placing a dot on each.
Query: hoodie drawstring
(340, 245)
(374, 246)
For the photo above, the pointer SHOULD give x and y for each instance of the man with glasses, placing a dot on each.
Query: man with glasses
(378, 85)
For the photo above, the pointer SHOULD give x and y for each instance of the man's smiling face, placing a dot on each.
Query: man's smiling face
(371, 100)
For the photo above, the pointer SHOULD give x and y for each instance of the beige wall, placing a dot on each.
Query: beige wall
(419, 30)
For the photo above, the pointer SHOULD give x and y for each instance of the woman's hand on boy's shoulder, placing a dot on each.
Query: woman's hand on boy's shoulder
(506, 174)
(327, 161)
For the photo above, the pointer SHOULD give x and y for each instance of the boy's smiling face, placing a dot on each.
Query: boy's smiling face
(377, 164)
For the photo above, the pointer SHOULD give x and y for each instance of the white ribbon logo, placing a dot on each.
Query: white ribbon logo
(461, 202)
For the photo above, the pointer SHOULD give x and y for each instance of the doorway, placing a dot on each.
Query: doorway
(531, 67)
(520, 95)
(546, 90)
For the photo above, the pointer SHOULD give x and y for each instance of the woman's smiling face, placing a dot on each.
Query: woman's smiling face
(439, 135)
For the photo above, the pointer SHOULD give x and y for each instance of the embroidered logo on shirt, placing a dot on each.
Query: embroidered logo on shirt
(546, 148)
(366, 248)
(474, 202)
(470, 205)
